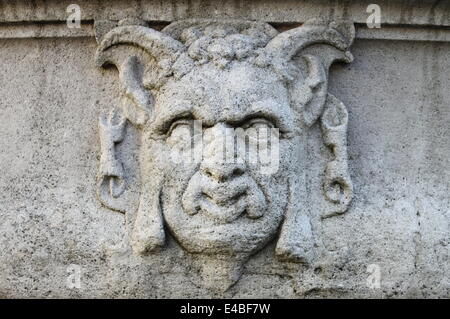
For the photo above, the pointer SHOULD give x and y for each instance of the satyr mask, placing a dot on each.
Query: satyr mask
(223, 107)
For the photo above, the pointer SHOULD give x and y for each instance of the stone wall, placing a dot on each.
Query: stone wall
(57, 239)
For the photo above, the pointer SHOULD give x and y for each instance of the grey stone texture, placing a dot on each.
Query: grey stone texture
(233, 77)
(394, 137)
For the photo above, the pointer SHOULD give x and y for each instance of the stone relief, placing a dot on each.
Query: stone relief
(202, 80)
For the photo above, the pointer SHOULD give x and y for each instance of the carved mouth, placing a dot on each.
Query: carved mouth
(225, 211)
(224, 201)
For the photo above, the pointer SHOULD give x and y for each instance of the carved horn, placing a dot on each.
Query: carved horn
(153, 42)
(309, 96)
(137, 103)
(286, 45)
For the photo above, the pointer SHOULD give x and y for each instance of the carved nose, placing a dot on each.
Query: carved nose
(220, 161)
(222, 171)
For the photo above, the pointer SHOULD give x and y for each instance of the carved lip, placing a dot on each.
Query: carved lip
(221, 199)
(226, 211)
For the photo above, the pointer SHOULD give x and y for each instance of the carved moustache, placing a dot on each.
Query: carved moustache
(224, 202)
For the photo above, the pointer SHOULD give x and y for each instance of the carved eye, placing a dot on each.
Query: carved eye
(259, 130)
(181, 134)
(259, 123)
(180, 126)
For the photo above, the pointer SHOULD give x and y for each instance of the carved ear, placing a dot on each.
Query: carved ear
(144, 57)
(319, 44)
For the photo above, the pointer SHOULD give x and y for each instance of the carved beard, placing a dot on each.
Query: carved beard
(242, 225)
(241, 215)
(220, 242)
(224, 202)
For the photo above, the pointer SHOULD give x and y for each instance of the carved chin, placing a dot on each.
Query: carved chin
(241, 222)
(227, 239)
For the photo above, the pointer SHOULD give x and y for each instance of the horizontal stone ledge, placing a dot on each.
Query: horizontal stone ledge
(60, 30)
(402, 12)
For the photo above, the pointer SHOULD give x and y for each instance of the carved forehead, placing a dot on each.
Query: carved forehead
(213, 94)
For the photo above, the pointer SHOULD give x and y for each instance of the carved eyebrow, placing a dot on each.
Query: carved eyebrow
(258, 115)
(163, 125)
(267, 110)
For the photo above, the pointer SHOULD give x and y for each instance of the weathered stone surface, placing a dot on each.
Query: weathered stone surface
(57, 160)
(210, 82)
(411, 12)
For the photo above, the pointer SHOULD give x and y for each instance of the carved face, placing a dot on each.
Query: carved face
(214, 204)
(212, 100)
